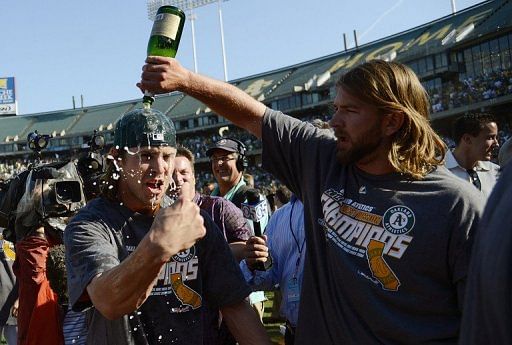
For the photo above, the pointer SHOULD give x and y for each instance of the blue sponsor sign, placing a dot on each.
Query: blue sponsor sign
(7, 96)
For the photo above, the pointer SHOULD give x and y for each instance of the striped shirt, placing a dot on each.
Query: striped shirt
(74, 328)
(286, 243)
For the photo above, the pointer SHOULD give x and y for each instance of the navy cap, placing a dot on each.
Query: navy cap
(227, 144)
(144, 127)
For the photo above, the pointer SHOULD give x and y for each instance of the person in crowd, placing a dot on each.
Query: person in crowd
(228, 218)
(389, 229)
(319, 123)
(228, 162)
(488, 307)
(284, 245)
(35, 221)
(249, 180)
(39, 314)
(148, 270)
(270, 194)
(223, 212)
(208, 187)
(8, 293)
(505, 153)
(476, 138)
(282, 196)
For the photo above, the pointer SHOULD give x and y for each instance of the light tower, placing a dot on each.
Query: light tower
(454, 8)
(189, 6)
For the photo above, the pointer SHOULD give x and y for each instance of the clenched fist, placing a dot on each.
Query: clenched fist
(256, 251)
(177, 228)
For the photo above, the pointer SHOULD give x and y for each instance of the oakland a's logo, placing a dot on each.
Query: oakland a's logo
(185, 255)
(398, 220)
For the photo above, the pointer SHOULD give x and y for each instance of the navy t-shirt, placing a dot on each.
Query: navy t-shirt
(105, 232)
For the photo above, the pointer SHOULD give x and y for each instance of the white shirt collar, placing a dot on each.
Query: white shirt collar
(451, 162)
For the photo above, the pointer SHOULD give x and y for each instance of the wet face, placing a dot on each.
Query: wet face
(145, 177)
(224, 167)
(184, 177)
(485, 143)
(357, 126)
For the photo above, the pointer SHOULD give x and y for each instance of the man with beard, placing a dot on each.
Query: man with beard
(476, 135)
(387, 227)
(147, 269)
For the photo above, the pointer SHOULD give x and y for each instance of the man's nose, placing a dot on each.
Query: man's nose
(159, 165)
(335, 120)
(178, 178)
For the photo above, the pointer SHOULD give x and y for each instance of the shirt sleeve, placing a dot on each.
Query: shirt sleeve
(257, 280)
(89, 251)
(235, 225)
(292, 148)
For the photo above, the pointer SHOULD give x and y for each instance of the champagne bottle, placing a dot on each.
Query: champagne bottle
(165, 38)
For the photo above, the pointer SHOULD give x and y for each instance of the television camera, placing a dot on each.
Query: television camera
(92, 166)
(43, 195)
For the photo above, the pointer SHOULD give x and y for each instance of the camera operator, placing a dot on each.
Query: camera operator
(34, 207)
(49, 192)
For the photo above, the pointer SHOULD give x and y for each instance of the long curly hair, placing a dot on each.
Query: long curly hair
(392, 87)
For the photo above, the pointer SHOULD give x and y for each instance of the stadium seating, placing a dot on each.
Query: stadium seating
(11, 127)
(101, 116)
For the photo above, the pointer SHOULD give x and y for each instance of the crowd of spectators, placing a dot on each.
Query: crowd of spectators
(263, 181)
(471, 90)
(199, 144)
(11, 169)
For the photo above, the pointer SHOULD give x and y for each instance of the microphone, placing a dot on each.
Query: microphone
(255, 210)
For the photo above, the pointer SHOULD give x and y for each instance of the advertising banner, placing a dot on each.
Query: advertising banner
(7, 97)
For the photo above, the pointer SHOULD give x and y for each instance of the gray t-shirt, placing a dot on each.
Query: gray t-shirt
(103, 233)
(386, 257)
(487, 317)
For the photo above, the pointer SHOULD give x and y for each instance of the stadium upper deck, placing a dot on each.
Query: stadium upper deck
(464, 61)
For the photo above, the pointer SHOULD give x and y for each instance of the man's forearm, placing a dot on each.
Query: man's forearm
(228, 101)
(237, 249)
(162, 75)
(244, 324)
(123, 289)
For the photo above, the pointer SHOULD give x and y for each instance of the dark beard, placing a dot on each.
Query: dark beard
(363, 148)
